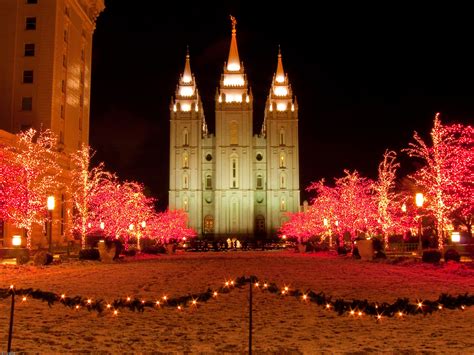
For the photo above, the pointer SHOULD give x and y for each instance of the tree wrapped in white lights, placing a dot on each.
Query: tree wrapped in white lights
(36, 153)
(84, 185)
(447, 173)
(386, 198)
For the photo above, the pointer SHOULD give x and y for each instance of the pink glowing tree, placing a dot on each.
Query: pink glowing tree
(36, 154)
(13, 188)
(170, 226)
(356, 208)
(447, 174)
(119, 209)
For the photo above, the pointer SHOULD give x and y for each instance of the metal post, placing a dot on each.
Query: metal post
(250, 316)
(50, 232)
(10, 331)
(420, 248)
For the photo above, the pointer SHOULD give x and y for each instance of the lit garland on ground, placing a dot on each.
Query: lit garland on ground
(401, 307)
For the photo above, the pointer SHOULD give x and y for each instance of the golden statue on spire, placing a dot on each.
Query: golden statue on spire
(234, 22)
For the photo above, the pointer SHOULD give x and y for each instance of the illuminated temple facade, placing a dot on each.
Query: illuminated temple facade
(234, 183)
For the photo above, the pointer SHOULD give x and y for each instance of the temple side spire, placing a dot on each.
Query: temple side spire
(187, 75)
(280, 73)
(233, 62)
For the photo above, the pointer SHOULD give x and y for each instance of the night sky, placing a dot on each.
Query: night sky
(365, 77)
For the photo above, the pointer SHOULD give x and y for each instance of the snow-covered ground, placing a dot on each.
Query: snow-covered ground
(281, 324)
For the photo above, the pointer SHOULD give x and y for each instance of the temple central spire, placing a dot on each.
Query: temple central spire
(233, 63)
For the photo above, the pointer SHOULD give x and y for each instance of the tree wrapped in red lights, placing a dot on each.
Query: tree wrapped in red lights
(170, 226)
(13, 188)
(36, 154)
(356, 207)
(301, 225)
(117, 207)
(447, 174)
(84, 186)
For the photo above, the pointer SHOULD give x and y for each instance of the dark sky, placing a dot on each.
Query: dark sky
(365, 77)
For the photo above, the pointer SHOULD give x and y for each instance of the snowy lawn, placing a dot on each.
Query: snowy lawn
(281, 324)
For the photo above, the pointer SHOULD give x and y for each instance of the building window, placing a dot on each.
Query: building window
(82, 76)
(259, 182)
(208, 182)
(26, 103)
(185, 181)
(30, 23)
(282, 160)
(260, 224)
(185, 160)
(63, 86)
(62, 111)
(282, 204)
(80, 123)
(29, 50)
(259, 157)
(66, 11)
(208, 224)
(185, 137)
(65, 35)
(185, 204)
(64, 61)
(83, 54)
(234, 172)
(31, 2)
(28, 76)
(282, 181)
(61, 137)
(234, 133)
(282, 136)
(81, 100)
(208, 157)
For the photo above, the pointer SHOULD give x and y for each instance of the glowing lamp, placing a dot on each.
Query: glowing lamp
(325, 221)
(143, 224)
(247, 99)
(16, 240)
(292, 107)
(220, 98)
(283, 236)
(455, 237)
(50, 203)
(280, 79)
(404, 208)
(419, 199)
(174, 108)
(102, 225)
(131, 226)
(271, 107)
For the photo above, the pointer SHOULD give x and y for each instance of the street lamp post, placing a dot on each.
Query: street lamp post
(419, 200)
(50, 205)
(143, 225)
(404, 210)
